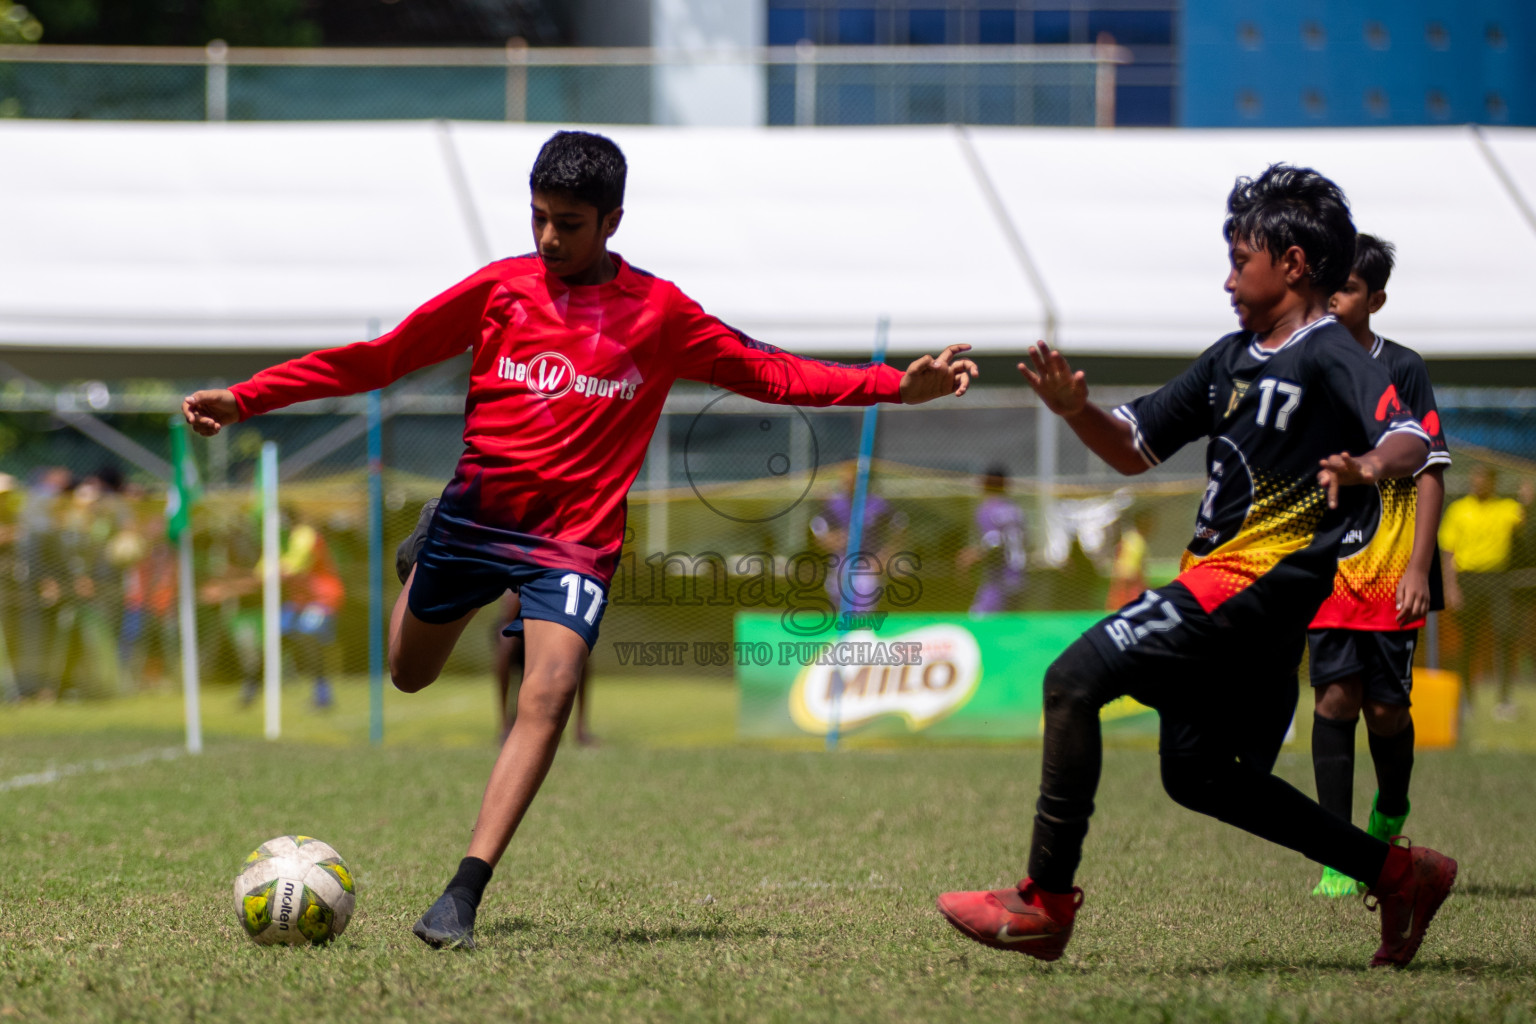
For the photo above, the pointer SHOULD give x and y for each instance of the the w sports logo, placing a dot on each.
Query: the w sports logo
(550, 374)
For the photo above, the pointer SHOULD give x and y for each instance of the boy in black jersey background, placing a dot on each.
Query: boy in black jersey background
(1297, 416)
(1362, 641)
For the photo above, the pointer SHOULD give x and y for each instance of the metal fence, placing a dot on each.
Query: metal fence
(800, 85)
(86, 602)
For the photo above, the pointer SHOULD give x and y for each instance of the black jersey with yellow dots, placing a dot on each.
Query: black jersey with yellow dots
(1374, 556)
(1266, 544)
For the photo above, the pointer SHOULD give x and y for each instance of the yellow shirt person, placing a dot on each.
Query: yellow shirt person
(1479, 533)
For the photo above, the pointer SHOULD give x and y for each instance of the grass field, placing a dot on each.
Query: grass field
(700, 882)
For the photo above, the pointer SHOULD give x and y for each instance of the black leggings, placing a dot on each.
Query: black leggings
(1205, 771)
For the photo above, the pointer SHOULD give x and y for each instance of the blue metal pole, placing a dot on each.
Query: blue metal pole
(856, 524)
(375, 569)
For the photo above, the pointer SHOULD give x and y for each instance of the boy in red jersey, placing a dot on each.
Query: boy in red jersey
(1283, 401)
(574, 352)
(1362, 641)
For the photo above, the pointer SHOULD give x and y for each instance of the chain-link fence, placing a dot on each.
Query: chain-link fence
(736, 511)
(807, 85)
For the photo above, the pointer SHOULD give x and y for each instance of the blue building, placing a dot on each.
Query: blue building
(1220, 63)
(1145, 93)
(1357, 62)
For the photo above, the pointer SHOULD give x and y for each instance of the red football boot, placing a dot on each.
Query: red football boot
(1421, 885)
(1025, 918)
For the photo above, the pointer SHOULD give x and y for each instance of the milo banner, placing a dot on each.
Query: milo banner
(944, 676)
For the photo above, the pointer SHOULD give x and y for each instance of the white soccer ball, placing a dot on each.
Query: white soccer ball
(294, 890)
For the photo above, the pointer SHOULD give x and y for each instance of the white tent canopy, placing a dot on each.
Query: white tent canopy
(1126, 228)
(803, 239)
(279, 237)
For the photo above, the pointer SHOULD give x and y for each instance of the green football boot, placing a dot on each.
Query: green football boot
(1335, 884)
(1383, 827)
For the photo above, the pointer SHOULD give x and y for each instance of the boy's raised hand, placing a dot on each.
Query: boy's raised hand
(929, 377)
(1345, 470)
(1063, 392)
(210, 411)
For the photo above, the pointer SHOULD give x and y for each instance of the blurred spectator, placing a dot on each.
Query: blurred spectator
(96, 530)
(240, 602)
(1477, 538)
(10, 691)
(149, 643)
(884, 527)
(1082, 523)
(312, 595)
(1128, 575)
(1076, 549)
(1522, 579)
(998, 546)
(37, 578)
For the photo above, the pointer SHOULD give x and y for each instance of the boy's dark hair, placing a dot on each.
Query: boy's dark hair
(1374, 258)
(586, 166)
(1288, 206)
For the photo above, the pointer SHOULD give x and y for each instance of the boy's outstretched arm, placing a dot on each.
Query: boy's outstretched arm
(440, 329)
(930, 377)
(1065, 393)
(1399, 454)
(210, 411)
(713, 352)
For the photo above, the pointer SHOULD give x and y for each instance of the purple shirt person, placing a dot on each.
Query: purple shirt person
(1000, 546)
(830, 527)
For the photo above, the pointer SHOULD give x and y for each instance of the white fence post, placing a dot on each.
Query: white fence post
(187, 620)
(517, 79)
(1104, 52)
(271, 593)
(805, 83)
(216, 85)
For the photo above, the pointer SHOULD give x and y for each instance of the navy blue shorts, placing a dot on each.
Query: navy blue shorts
(450, 583)
(1382, 659)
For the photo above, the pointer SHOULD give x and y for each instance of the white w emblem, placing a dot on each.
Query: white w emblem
(550, 374)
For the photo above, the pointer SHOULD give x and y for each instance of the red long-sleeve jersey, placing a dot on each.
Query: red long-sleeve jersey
(565, 389)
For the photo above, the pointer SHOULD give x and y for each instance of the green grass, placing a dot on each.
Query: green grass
(453, 712)
(705, 883)
(459, 712)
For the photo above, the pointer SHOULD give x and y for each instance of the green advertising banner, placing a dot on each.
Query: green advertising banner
(945, 676)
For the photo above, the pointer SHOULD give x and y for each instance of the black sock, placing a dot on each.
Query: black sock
(1333, 763)
(469, 883)
(1054, 852)
(1394, 766)
(1076, 687)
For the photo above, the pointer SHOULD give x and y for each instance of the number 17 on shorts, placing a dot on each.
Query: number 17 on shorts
(576, 587)
(1153, 613)
(574, 600)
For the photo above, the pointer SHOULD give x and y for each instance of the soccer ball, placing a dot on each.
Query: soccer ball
(294, 890)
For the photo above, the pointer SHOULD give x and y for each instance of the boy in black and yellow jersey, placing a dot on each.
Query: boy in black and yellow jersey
(1297, 416)
(1362, 641)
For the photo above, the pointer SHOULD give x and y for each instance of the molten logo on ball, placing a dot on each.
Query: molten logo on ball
(294, 890)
